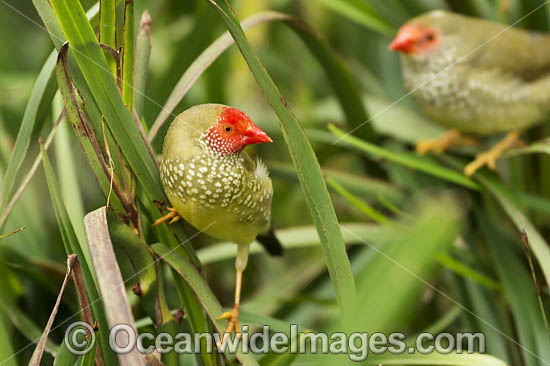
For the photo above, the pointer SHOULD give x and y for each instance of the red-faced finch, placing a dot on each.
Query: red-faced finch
(475, 76)
(214, 185)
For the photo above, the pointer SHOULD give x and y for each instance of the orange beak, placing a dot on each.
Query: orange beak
(405, 39)
(254, 135)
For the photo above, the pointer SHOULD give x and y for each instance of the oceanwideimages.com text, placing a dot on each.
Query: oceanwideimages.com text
(80, 339)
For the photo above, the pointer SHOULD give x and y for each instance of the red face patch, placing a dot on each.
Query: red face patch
(233, 132)
(414, 38)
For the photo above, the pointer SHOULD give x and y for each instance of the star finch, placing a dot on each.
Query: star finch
(474, 75)
(213, 184)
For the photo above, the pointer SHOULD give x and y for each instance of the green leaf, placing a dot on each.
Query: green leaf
(364, 207)
(467, 272)
(141, 65)
(93, 66)
(519, 290)
(484, 306)
(84, 133)
(73, 246)
(437, 359)
(6, 350)
(409, 160)
(89, 358)
(65, 357)
(107, 29)
(540, 147)
(341, 80)
(356, 184)
(294, 238)
(339, 76)
(404, 263)
(201, 63)
(26, 179)
(306, 164)
(25, 131)
(27, 126)
(67, 168)
(538, 245)
(361, 12)
(128, 55)
(25, 325)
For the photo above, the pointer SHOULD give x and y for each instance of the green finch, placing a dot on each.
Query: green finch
(213, 184)
(475, 76)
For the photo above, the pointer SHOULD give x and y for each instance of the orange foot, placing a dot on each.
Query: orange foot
(442, 143)
(173, 216)
(233, 316)
(490, 156)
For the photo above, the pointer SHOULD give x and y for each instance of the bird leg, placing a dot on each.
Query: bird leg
(173, 216)
(233, 314)
(490, 156)
(441, 143)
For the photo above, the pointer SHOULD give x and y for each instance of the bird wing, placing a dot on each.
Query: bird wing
(521, 53)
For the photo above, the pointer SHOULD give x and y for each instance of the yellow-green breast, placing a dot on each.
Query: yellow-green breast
(226, 196)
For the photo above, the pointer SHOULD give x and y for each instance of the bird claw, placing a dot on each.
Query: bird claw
(442, 143)
(172, 215)
(489, 157)
(233, 316)
(437, 145)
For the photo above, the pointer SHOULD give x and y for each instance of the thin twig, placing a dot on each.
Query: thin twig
(85, 305)
(13, 232)
(39, 350)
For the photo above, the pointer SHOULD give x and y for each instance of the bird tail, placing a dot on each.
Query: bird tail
(271, 244)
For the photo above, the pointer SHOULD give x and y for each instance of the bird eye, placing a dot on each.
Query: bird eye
(430, 37)
(228, 129)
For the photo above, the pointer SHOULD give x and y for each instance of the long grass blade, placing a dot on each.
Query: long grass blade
(520, 293)
(73, 246)
(538, 245)
(365, 186)
(39, 94)
(107, 29)
(339, 76)
(438, 359)
(408, 160)
(26, 326)
(86, 137)
(306, 164)
(368, 210)
(141, 65)
(360, 12)
(128, 55)
(27, 178)
(93, 65)
(201, 63)
(297, 237)
(7, 356)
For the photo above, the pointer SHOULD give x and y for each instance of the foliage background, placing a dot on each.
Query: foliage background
(429, 249)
